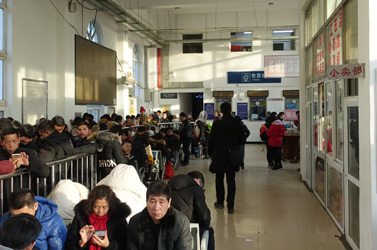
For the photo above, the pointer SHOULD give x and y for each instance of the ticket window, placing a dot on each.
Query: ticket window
(221, 97)
(219, 101)
(258, 105)
(258, 108)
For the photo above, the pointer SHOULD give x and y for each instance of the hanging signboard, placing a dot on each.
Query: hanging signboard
(335, 52)
(242, 110)
(250, 77)
(319, 56)
(346, 71)
(169, 95)
(281, 66)
(209, 108)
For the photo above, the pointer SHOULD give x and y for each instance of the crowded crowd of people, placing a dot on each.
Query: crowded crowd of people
(100, 221)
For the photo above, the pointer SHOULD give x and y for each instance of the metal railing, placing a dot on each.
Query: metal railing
(78, 168)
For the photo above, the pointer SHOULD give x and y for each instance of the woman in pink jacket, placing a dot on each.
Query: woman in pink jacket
(275, 140)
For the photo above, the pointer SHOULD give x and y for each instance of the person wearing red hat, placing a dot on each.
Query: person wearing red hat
(143, 116)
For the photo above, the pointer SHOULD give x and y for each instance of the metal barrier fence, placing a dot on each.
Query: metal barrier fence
(78, 168)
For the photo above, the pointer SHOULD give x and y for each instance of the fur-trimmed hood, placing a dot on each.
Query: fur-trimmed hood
(122, 213)
(104, 137)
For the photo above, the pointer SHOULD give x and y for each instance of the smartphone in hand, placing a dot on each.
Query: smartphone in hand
(15, 157)
(100, 234)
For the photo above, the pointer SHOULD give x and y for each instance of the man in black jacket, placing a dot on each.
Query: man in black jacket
(22, 157)
(188, 197)
(225, 134)
(54, 145)
(82, 144)
(159, 226)
(109, 151)
(185, 137)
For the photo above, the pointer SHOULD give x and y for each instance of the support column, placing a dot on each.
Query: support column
(367, 53)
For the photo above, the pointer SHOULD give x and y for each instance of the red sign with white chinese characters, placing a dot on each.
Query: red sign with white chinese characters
(346, 71)
(335, 40)
(290, 115)
(319, 56)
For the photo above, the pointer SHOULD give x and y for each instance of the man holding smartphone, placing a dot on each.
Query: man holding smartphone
(11, 155)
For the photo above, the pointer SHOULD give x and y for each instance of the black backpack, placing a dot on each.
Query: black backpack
(263, 133)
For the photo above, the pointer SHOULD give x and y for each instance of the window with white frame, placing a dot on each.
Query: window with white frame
(283, 41)
(2, 48)
(241, 41)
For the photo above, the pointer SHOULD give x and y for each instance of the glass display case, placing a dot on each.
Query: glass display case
(335, 194)
(320, 187)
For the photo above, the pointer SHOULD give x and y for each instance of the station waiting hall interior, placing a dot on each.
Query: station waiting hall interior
(318, 57)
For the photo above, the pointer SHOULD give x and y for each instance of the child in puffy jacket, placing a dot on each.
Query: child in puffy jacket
(275, 134)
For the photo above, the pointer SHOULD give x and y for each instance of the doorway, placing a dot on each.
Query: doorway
(197, 104)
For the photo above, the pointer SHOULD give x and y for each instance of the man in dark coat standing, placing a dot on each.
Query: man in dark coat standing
(225, 134)
(185, 137)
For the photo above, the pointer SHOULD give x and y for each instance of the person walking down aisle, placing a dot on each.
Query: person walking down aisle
(225, 134)
(185, 137)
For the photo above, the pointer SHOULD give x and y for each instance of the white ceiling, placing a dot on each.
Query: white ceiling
(208, 6)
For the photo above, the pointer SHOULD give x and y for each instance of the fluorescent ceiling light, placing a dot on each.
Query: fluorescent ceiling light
(282, 31)
(247, 32)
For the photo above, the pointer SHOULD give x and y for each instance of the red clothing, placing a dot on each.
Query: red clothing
(99, 223)
(6, 167)
(275, 133)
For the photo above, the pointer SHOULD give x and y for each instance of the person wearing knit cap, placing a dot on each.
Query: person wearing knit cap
(143, 116)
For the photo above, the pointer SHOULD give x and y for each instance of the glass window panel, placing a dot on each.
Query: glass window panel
(2, 29)
(331, 6)
(334, 35)
(321, 118)
(292, 102)
(352, 86)
(309, 65)
(283, 44)
(316, 116)
(339, 120)
(329, 100)
(320, 178)
(240, 44)
(354, 213)
(335, 193)
(351, 30)
(1, 79)
(353, 141)
(257, 108)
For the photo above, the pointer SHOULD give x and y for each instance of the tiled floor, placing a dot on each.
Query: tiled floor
(273, 209)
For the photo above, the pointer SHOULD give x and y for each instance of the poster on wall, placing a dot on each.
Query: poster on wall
(319, 56)
(242, 110)
(290, 114)
(335, 52)
(281, 66)
(209, 108)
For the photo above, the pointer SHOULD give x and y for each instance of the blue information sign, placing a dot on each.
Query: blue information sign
(290, 106)
(242, 110)
(209, 108)
(250, 77)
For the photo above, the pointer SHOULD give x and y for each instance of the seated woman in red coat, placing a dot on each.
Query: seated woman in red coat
(275, 140)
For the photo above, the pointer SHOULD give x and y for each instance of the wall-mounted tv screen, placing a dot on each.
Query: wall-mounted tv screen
(95, 73)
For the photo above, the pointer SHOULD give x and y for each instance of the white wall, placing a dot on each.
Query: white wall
(211, 67)
(41, 47)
